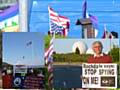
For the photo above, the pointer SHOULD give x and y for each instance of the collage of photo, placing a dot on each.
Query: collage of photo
(60, 44)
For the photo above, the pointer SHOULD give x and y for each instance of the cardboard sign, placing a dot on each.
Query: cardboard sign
(99, 75)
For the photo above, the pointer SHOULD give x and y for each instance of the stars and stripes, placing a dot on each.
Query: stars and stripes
(49, 61)
(58, 24)
(55, 28)
(49, 52)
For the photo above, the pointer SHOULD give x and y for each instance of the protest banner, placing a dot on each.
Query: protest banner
(99, 75)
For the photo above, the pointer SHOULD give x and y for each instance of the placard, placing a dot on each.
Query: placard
(99, 75)
(20, 69)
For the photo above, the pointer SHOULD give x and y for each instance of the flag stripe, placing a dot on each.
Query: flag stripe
(48, 51)
(57, 22)
(49, 60)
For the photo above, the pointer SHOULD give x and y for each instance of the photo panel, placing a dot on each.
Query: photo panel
(9, 16)
(75, 62)
(24, 77)
(80, 47)
(70, 32)
(23, 48)
(23, 65)
(0, 60)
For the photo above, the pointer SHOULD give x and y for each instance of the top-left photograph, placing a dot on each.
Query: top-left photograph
(9, 16)
(14, 15)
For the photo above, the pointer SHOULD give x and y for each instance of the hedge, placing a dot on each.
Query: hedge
(70, 57)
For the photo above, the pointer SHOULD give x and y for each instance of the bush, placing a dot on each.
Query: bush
(114, 53)
(70, 57)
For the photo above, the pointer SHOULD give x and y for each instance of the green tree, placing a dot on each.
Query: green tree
(114, 53)
(70, 57)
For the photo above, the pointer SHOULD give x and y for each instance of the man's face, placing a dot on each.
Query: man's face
(97, 48)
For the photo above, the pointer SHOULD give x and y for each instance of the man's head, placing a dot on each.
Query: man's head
(97, 47)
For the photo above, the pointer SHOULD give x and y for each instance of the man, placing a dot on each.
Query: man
(99, 56)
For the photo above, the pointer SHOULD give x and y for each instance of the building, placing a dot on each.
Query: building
(87, 28)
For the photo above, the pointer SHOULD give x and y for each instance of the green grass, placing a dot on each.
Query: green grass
(115, 89)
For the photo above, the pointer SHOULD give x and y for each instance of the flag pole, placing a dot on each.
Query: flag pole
(54, 35)
(49, 19)
(105, 30)
(110, 46)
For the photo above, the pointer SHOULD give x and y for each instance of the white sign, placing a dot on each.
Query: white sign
(20, 69)
(99, 75)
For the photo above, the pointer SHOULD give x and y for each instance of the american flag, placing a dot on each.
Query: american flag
(58, 23)
(49, 61)
(49, 52)
(56, 28)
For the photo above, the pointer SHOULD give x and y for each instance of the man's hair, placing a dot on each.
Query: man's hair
(98, 43)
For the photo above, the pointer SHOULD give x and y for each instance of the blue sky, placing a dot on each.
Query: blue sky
(107, 11)
(14, 48)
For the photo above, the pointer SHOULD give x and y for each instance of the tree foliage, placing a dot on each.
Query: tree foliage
(70, 57)
(76, 57)
(114, 53)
